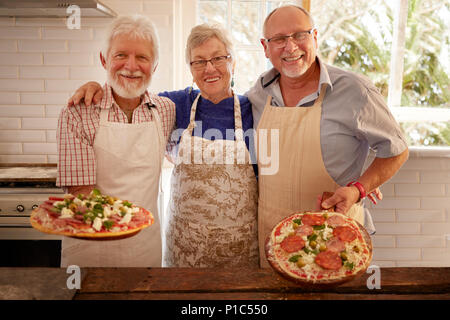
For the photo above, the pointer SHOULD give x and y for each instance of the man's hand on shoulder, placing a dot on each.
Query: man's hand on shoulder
(89, 92)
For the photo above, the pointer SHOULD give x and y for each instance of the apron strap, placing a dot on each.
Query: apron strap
(104, 116)
(158, 124)
(159, 129)
(238, 130)
(323, 90)
(239, 134)
(192, 124)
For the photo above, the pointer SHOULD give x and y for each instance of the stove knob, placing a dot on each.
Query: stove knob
(34, 206)
(20, 208)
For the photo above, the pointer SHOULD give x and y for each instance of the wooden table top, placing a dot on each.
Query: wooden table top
(243, 284)
(212, 284)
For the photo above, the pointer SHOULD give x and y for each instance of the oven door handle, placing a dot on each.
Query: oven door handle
(15, 225)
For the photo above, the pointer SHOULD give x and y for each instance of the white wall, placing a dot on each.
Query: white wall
(413, 219)
(42, 62)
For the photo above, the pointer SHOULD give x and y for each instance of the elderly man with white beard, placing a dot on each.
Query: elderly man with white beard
(118, 145)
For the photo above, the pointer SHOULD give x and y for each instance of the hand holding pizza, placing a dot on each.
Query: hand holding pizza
(341, 200)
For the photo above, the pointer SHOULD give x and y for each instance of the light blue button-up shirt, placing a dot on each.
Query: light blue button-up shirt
(354, 118)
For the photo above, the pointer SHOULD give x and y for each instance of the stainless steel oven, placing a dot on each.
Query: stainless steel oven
(21, 245)
(16, 205)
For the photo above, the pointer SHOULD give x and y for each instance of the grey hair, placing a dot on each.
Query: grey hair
(136, 27)
(284, 6)
(203, 32)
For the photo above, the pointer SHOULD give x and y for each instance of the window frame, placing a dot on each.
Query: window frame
(401, 113)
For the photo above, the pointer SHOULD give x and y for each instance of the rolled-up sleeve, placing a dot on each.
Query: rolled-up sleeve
(76, 159)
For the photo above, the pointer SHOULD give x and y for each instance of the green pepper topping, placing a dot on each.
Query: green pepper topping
(349, 265)
(321, 227)
(312, 237)
(294, 258)
(126, 204)
(108, 224)
(297, 221)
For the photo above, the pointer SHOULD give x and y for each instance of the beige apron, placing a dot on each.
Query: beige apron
(212, 216)
(301, 174)
(129, 158)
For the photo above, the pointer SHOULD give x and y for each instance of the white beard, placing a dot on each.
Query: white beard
(297, 70)
(128, 90)
(293, 73)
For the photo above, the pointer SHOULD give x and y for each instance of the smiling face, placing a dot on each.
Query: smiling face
(213, 82)
(129, 64)
(295, 58)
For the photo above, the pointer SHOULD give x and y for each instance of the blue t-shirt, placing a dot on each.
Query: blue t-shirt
(212, 120)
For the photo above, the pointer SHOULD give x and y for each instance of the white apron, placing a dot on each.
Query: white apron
(301, 174)
(129, 159)
(212, 216)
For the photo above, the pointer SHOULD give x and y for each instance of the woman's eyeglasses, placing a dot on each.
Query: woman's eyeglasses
(216, 62)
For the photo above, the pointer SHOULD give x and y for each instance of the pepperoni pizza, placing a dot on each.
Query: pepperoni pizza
(320, 248)
(95, 216)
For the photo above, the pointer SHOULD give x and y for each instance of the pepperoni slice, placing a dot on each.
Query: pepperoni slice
(344, 233)
(304, 230)
(313, 219)
(292, 243)
(329, 260)
(335, 221)
(335, 245)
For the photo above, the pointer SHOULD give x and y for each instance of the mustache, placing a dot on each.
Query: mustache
(130, 74)
(293, 55)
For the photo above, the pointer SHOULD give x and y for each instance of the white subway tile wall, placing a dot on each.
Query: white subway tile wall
(413, 219)
(42, 63)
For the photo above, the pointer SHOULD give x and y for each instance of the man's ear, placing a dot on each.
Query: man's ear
(103, 60)
(264, 44)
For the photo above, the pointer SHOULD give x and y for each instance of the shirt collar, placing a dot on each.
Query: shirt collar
(108, 98)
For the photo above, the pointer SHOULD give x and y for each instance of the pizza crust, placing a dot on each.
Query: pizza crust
(39, 213)
(316, 283)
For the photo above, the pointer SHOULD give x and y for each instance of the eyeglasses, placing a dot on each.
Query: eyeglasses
(216, 62)
(298, 37)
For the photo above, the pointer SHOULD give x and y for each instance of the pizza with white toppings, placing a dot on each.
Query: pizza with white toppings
(319, 248)
(95, 216)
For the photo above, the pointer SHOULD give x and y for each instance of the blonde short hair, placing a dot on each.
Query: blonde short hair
(136, 27)
(203, 32)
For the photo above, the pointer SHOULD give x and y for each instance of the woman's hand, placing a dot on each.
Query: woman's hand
(89, 92)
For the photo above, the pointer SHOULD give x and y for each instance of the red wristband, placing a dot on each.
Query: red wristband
(362, 192)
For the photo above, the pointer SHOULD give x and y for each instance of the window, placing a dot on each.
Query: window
(403, 46)
(243, 20)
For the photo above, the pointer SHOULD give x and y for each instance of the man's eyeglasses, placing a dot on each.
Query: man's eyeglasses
(216, 62)
(281, 41)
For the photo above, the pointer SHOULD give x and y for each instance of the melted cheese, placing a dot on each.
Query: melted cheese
(311, 268)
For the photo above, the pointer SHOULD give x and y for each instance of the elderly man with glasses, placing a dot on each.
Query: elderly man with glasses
(326, 119)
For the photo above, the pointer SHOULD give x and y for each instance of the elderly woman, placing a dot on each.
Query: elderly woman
(212, 215)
